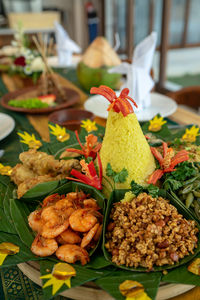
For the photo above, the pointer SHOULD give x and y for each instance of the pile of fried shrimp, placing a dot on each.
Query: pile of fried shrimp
(66, 225)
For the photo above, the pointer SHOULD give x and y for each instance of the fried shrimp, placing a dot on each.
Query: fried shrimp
(57, 221)
(52, 199)
(82, 220)
(91, 203)
(43, 247)
(49, 214)
(51, 231)
(35, 221)
(70, 237)
(72, 253)
(89, 236)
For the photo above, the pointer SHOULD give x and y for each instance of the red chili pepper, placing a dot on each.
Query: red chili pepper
(90, 177)
(155, 176)
(118, 104)
(171, 162)
(91, 147)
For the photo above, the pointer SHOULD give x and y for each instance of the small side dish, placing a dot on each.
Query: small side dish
(146, 231)
(68, 226)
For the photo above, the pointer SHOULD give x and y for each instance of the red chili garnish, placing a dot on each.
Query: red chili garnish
(20, 61)
(91, 147)
(118, 104)
(90, 177)
(167, 162)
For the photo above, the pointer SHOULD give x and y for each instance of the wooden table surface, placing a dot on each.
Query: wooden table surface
(40, 123)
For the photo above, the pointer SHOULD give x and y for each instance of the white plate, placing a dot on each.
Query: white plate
(7, 124)
(161, 104)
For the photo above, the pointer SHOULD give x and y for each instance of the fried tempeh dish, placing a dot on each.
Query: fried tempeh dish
(149, 231)
(37, 167)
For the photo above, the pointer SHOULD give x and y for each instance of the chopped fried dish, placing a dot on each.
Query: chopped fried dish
(149, 231)
(38, 167)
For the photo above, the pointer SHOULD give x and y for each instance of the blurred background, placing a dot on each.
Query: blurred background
(124, 23)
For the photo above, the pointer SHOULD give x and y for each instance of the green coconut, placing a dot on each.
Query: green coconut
(96, 61)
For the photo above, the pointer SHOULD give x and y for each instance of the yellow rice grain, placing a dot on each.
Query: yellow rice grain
(125, 146)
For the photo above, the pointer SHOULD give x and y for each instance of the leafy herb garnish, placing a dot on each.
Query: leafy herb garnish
(150, 189)
(171, 183)
(118, 177)
(184, 170)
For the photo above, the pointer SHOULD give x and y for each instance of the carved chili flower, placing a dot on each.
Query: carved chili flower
(167, 162)
(118, 104)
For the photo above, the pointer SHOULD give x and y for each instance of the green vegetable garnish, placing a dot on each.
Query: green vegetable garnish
(150, 189)
(28, 103)
(118, 177)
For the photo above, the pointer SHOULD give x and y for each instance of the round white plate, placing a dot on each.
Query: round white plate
(7, 124)
(160, 104)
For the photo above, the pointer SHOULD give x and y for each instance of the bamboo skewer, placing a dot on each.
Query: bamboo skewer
(48, 73)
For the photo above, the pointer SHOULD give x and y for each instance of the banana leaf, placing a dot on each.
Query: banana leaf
(39, 191)
(83, 275)
(182, 275)
(116, 196)
(19, 212)
(6, 224)
(164, 134)
(111, 283)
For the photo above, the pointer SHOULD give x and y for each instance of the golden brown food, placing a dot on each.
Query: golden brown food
(20, 173)
(149, 231)
(41, 163)
(29, 183)
(38, 167)
(66, 220)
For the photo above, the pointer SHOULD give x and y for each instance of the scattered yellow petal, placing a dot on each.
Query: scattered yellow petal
(156, 124)
(131, 289)
(142, 296)
(30, 140)
(194, 267)
(7, 249)
(5, 170)
(191, 134)
(59, 132)
(2, 258)
(61, 274)
(89, 125)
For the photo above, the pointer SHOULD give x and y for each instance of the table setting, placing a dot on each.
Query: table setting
(124, 159)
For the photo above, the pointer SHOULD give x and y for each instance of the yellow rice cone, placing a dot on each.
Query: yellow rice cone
(125, 146)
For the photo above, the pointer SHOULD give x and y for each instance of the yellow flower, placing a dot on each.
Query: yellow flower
(7, 249)
(156, 124)
(89, 125)
(191, 134)
(5, 170)
(61, 274)
(59, 132)
(133, 290)
(30, 140)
